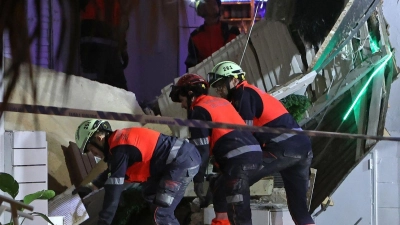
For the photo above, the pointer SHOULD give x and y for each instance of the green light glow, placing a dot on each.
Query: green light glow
(373, 45)
(367, 83)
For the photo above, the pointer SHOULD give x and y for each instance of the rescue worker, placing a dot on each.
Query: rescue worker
(289, 154)
(164, 164)
(210, 36)
(103, 48)
(237, 153)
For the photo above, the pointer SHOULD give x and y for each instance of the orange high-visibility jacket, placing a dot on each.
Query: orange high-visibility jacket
(143, 139)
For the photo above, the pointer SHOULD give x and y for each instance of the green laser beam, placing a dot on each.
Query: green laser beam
(366, 85)
(373, 45)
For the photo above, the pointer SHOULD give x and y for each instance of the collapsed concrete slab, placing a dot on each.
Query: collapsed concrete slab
(59, 90)
(271, 61)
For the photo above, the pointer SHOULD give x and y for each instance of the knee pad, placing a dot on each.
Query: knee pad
(163, 199)
(166, 193)
(237, 188)
(235, 199)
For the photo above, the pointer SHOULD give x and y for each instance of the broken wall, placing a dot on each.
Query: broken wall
(53, 89)
(271, 62)
(391, 12)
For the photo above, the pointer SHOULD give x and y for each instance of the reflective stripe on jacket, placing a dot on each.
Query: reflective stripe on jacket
(213, 105)
(272, 109)
(207, 39)
(143, 139)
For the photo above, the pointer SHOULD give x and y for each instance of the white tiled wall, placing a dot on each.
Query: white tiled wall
(372, 195)
(388, 183)
(26, 160)
(388, 153)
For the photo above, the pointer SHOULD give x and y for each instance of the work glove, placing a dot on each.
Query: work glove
(198, 189)
(125, 59)
(83, 191)
(214, 182)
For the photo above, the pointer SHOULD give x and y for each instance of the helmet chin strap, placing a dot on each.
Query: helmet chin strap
(102, 149)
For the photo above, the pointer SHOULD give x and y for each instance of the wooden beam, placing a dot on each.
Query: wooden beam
(329, 38)
(362, 109)
(14, 208)
(375, 107)
(298, 86)
(313, 174)
(359, 116)
(387, 75)
(354, 15)
(19, 213)
(341, 87)
(383, 31)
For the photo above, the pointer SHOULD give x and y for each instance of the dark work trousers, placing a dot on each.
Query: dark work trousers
(102, 62)
(294, 167)
(231, 192)
(174, 180)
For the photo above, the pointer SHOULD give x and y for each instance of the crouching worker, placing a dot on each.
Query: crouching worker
(289, 154)
(164, 164)
(237, 153)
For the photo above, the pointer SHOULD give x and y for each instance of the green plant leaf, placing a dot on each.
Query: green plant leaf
(43, 194)
(296, 105)
(43, 216)
(9, 185)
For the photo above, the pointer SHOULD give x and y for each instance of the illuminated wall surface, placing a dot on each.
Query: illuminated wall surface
(158, 51)
(373, 74)
(370, 193)
(391, 10)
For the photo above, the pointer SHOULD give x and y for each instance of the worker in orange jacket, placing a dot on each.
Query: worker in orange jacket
(211, 36)
(164, 164)
(289, 154)
(103, 48)
(237, 153)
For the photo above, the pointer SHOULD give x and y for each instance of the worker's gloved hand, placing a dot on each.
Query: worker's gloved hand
(125, 59)
(83, 191)
(198, 189)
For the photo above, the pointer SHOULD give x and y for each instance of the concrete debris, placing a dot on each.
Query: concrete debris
(69, 206)
(277, 197)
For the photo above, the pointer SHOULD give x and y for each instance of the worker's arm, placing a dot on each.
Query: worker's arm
(192, 58)
(199, 137)
(245, 104)
(100, 180)
(97, 183)
(113, 187)
(229, 32)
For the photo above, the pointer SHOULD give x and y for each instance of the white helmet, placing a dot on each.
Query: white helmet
(86, 130)
(225, 69)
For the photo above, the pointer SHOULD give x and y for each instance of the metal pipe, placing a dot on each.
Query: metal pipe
(248, 38)
(19, 213)
(374, 174)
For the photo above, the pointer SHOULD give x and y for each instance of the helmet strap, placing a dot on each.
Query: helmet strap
(104, 149)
